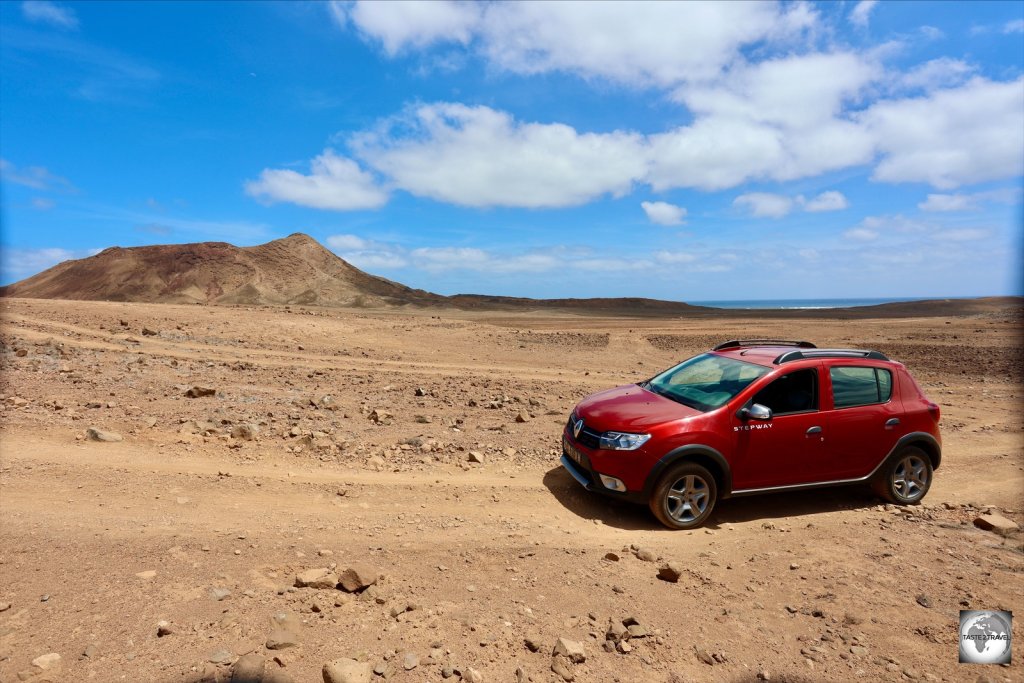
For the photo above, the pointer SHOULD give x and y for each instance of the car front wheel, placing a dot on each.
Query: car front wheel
(906, 478)
(684, 496)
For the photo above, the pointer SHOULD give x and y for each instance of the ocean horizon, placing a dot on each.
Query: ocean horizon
(817, 303)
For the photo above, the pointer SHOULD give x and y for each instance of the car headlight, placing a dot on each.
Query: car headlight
(621, 441)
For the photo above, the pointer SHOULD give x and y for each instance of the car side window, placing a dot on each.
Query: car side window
(796, 392)
(852, 386)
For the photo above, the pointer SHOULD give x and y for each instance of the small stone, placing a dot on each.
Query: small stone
(410, 661)
(996, 523)
(571, 650)
(646, 554)
(637, 631)
(624, 647)
(94, 434)
(704, 656)
(475, 456)
(47, 661)
(219, 593)
(357, 577)
(533, 642)
(163, 628)
(471, 675)
(147, 575)
(248, 669)
(447, 671)
(245, 432)
(420, 391)
(4, 606)
(523, 417)
(220, 657)
(670, 571)
(924, 600)
(146, 332)
(611, 557)
(563, 667)
(347, 671)
(281, 639)
(859, 650)
(199, 392)
(316, 578)
(794, 565)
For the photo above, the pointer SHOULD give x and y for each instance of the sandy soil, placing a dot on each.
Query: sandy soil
(351, 465)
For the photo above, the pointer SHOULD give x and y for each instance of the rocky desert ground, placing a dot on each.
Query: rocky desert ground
(182, 487)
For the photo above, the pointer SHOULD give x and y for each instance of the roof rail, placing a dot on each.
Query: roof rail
(737, 343)
(790, 356)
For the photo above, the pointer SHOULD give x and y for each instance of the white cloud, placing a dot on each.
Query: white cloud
(440, 259)
(664, 213)
(764, 204)
(16, 264)
(962, 234)
(36, 177)
(827, 201)
(932, 32)
(346, 242)
(948, 202)
(637, 43)
(1015, 26)
(861, 234)
(402, 24)
(674, 257)
(970, 134)
(334, 183)
(861, 13)
(936, 73)
(42, 203)
(43, 12)
(477, 156)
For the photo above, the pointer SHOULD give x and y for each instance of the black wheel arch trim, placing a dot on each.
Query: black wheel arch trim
(932, 446)
(691, 452)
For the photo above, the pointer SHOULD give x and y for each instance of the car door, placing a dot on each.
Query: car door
(862, 418)
(788, 448)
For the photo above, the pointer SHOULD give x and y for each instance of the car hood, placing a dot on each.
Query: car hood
(630, 408)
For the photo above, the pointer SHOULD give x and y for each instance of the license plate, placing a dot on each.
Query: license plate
(572, 452)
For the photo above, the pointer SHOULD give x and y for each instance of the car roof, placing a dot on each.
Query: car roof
(772, 355)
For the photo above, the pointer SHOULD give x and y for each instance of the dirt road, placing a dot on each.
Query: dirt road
(364, 426)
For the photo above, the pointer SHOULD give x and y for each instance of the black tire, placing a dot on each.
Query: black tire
(905, 478)
(680, 493)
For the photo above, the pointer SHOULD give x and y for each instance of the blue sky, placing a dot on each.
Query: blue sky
(682, 151)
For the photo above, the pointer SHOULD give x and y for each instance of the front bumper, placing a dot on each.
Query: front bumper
(581, 470)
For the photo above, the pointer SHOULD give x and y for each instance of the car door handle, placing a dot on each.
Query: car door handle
(813, 430)
(892, 422)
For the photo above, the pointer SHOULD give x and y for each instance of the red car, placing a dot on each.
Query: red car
(754, 416)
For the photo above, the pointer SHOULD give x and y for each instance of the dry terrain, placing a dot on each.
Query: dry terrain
(419, 448)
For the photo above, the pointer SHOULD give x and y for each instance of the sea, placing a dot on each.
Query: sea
(814, 303)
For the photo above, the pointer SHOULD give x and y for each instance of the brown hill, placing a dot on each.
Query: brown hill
(292, 270)
(299, 270)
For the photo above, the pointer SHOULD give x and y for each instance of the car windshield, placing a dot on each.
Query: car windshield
(705, 382)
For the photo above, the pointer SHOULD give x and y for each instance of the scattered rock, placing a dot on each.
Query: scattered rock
(220, 657)
(670, 571)
(146, 332)
(357, 577)
(563, 667)
(316, 578)
(420, 391)
(163, 628)
(347, 671)
(4, 606)
(245, 432)
(533, 642)
(410, 661)
(611, 557)
(147, 575)
(282, 639)
(475, 456)
(47, 661)
(924, 600)
(646, 554)
(704, 656)
(996, 523)
(248, 669)
(471, 675)
(523, 417)
(94, 434)
(199, 392)
(571, 650)
(219, 593)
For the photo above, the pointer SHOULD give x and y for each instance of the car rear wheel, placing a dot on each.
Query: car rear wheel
(684, 496)
(906, 478)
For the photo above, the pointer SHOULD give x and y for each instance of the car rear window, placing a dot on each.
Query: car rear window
(853, 386)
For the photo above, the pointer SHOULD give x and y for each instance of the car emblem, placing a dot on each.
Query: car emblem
(577, 428)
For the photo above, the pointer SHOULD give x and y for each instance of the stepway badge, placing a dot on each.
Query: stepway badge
(985, 636)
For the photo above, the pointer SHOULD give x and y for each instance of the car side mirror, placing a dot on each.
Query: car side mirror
(756, 411)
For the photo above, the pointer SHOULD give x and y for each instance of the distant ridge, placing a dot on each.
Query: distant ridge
(299, 270)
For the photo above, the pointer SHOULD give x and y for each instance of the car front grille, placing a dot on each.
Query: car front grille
(587, 437)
